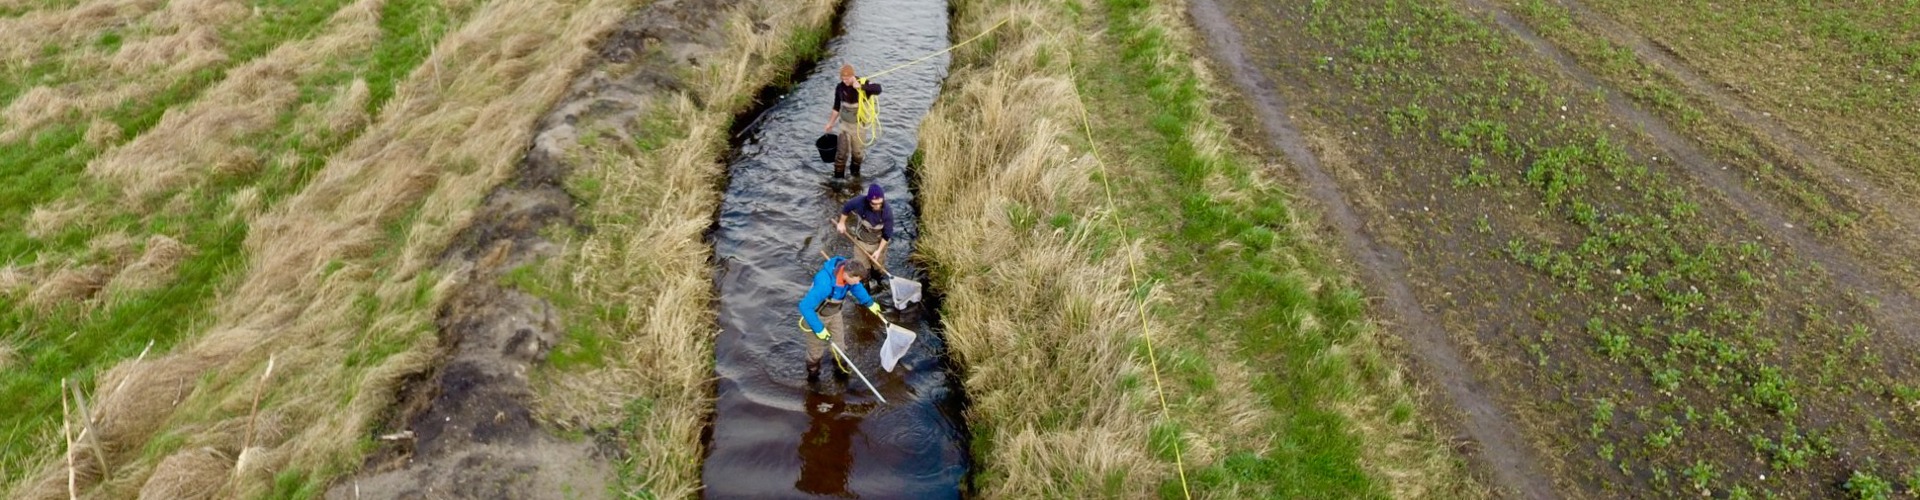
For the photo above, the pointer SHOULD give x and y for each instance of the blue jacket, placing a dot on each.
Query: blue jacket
(825, 286)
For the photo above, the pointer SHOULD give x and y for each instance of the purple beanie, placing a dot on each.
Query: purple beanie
(874, 191)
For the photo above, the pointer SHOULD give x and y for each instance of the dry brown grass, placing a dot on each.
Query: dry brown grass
(101, 133)
(27, 33)
(1047, 329)
(203, 137)
(657, 265)
(347, 110)
(188, 475)
(69, 285)
(54, 216)
(15, 280)
(174, 42)
(454, 129)
(154, 268)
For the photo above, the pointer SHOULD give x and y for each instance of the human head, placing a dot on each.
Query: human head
(852, 271)
(875, 195)
(846, 73)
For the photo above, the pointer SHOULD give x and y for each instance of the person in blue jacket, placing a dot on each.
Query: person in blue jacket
(836, 280)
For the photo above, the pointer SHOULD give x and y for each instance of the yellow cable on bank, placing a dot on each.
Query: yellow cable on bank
(867, 119)
(1133, 267)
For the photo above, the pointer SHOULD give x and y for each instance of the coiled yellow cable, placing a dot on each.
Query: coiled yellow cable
(867, 118)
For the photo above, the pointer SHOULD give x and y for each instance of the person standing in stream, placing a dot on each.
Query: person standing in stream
(846, 112)
(873, 225)
(831, 285)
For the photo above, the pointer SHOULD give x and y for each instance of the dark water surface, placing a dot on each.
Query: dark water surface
(774, 435)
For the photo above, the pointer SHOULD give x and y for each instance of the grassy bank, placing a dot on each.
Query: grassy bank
(357, 151)
(1074, 306)
(633, 281)
(1665, 345)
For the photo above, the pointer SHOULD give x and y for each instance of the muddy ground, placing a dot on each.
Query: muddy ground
(467, 430)
(1563, 263)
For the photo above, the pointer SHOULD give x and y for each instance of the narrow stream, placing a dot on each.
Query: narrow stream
(774, 435)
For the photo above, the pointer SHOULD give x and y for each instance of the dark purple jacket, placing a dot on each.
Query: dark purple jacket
(884, 218)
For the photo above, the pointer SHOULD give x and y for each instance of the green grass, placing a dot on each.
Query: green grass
(409, 29)
(1265, 289)
(76, 342)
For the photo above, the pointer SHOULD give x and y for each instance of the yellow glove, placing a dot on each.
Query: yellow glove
(823, 334)
(875, 307)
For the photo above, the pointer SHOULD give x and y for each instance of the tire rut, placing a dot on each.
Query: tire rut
(1893, 307)
(1502, 448)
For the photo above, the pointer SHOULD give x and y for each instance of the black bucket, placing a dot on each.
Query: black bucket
(829, 145)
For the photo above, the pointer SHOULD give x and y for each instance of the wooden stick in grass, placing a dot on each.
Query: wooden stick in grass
(253, 415)
(87, 432)
(66, 432)
(123, 381)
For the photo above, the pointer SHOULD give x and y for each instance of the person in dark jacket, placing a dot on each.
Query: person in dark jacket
(836, 280)
(846, 112)
(873, 224)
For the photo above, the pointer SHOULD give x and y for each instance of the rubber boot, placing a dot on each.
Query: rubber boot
(840, 170)
(856, 166)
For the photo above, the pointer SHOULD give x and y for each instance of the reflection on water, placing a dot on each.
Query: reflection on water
(774, 434)
(826, 450)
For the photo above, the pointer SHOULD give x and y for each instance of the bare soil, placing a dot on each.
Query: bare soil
(1898, 307)
(1431, 135)
(1795, 149)
(1483, 422)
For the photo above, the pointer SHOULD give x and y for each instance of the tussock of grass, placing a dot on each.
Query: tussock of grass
(343, 266)
(154, 268)
(14, 280)
(194, 474)
(636, 290)
(54, 216)
(69, 285)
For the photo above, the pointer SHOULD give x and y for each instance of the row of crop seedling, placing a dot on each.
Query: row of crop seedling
(1622, 250)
